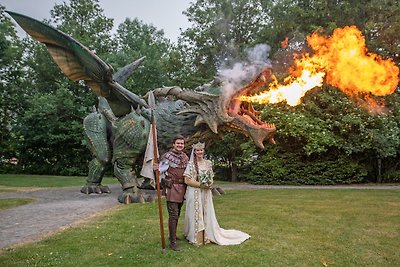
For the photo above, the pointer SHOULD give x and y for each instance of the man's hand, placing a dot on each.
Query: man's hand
(155, 166)
(166, 182)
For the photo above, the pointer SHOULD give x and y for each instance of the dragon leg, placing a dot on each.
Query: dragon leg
(129, 183)
(95, 126)
(130, 135)
(95, 176)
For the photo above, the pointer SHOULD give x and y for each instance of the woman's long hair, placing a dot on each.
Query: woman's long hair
(196, 166)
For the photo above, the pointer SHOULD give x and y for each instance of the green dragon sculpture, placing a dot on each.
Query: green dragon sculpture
(117, 130)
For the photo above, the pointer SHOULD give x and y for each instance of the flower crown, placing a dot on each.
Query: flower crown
(198, 146)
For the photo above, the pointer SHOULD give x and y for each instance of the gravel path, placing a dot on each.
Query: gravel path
(53, 209)
(59, 208)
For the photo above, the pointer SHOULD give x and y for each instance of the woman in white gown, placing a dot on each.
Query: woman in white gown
(201, 225)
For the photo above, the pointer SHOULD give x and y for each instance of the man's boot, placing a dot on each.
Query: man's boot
(172, 224)
(176, 237)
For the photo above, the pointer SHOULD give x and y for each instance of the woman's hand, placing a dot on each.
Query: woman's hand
(205, 186)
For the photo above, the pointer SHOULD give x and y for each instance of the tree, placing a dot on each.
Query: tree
(382, 27)
(84, 20)
(52, 120)
(220, 33)
(228, 155)
(135, 40)
(320, 127)
(317, 133)
(12, 98)
(52, 135)
(327, 139)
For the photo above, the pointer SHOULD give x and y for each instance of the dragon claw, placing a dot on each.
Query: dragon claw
(147, 184)
(150, 198)
(95, 188)
(131, 195)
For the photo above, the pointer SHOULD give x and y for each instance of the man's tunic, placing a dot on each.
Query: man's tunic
(173, 164)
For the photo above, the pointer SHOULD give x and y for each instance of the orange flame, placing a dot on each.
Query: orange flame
(343, 60)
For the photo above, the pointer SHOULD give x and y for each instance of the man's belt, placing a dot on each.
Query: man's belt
(177, 181)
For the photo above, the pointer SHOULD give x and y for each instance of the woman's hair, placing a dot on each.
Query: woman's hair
(197, 145)
(196, 165)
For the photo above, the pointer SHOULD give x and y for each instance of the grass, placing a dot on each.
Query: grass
(288, 228)
(7, 190)
(14, 202)
(18, 180)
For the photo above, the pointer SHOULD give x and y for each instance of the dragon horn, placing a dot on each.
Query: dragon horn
(151, 100)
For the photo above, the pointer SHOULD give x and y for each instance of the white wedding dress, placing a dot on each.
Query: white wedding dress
(200, 214)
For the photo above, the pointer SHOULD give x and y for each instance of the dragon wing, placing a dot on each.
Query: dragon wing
(77, 62)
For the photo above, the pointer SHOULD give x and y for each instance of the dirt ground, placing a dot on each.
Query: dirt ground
(61, 208)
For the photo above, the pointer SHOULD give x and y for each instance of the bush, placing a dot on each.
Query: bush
(392, 176)
(285, 168)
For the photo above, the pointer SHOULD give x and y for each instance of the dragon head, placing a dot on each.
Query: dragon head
(242, 116)
(224, 112)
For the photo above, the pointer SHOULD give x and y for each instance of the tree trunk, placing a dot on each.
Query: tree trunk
(379, 176)
(234, 172)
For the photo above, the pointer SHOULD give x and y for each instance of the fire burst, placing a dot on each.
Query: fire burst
(345, 63)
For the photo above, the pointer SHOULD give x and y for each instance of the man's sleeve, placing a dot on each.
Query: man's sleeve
(163, 166)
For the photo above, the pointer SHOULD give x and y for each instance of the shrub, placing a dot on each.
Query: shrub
(276, 167)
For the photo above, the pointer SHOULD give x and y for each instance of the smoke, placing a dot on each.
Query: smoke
(258, 54)
(242, 72)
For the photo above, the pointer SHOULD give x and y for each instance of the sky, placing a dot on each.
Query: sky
(162, 14)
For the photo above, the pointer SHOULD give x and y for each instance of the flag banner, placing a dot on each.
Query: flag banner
(148, 160)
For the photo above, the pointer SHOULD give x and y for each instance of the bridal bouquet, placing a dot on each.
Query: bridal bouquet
(206, 177)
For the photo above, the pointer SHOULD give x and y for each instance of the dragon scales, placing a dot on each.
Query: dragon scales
(117, 130)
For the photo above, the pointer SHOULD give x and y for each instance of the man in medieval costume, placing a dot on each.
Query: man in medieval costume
(172, 164)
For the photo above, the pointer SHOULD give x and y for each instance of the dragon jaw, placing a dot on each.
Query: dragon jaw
(245, 119)
(224, 112)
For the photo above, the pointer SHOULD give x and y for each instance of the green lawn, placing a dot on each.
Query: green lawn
(288, 228)
(18, 180)
(9, 203)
